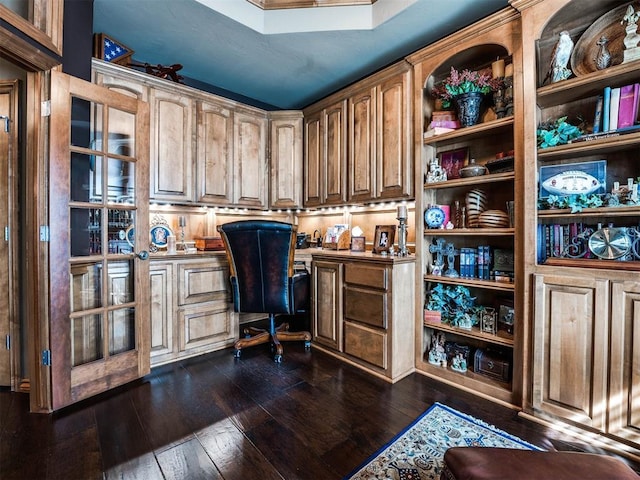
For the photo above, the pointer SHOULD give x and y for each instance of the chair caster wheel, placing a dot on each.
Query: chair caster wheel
(307, 345)
(277, 358)
(236, 353)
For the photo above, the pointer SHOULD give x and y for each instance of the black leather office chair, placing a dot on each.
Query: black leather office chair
(264, 280)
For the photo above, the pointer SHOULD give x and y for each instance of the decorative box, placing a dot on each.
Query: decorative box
(492, 364)
(209, 243)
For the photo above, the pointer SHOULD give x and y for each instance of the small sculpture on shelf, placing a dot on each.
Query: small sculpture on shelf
(631, 40)
(459, 363)
(451, 252)
(560, 57)
(603, 59)
(437, 354)
(436, 172)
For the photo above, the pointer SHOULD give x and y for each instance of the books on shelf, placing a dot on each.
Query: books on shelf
(616, 110)
(562, 240)
(433, 131)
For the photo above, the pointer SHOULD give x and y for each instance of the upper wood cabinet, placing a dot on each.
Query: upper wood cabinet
(285, 162)
(358, 142)
(380, 137)
(325, 168)
(250, 159)
(204, 148)
(171, 149)
(214, 153)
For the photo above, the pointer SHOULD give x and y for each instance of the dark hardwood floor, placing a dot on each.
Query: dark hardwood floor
(215, 417)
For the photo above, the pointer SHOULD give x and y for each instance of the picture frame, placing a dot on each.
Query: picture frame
(384, 238)
(357, 244)
(506, 318)
(488, 321)
(451, 161)
(573, 179)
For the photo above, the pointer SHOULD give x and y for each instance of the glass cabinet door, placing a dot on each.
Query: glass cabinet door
(99, 213)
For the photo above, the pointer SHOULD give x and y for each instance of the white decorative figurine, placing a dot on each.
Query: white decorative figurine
(632, 51)
(560, 57)
(436, 172)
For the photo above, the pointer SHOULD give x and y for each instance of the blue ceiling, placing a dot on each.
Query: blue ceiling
(276, 71)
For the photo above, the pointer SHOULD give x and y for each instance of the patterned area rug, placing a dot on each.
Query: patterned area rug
(416, 453)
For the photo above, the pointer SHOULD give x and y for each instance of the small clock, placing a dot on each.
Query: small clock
(434, 216)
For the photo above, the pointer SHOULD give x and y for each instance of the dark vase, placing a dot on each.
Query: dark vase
(469, 107)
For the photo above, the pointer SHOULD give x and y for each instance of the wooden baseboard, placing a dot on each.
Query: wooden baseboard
(590, 438)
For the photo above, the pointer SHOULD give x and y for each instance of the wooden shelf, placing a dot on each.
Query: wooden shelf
(471, 381)
(592, 263)
(471, 282)
(501, 338)
(591, 212)
(472, 181)
(591, 147)
(587, 85)
(469, 133)
(487, 232)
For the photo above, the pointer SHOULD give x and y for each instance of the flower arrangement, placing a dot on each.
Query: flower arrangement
(466, 81)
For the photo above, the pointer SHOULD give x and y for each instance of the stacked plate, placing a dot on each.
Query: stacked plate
(493, 219)
(476, 203)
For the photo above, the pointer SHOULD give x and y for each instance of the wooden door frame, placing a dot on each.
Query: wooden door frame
(12, 88)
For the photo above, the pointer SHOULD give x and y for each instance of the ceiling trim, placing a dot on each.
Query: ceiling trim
(365, 16)
(279, 4)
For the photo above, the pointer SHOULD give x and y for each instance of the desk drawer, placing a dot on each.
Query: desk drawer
(366, 306)
(366, 344)
(366, 276)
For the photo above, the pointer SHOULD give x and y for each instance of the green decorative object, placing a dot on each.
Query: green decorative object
(467, 81)
(455, 304)
(558, 132)
(575, 202)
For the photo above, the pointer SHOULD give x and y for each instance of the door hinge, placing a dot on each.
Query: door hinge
(6, 122)
(8, 342)
(44, 233)
(46, 358)
(45, 108)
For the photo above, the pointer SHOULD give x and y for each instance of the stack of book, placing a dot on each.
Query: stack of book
(442, 122)
(562, 240)
(617, 113)
(476, 262)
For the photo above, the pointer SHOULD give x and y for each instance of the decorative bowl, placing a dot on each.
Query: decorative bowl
(473, 170)
(493, 219)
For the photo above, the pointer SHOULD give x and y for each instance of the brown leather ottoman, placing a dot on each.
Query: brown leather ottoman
(485, 463)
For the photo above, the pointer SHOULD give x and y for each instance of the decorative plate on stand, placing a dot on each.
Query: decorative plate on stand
(610, 243)
(585, 52)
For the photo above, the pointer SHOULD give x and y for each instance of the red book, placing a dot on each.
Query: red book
(626, 106)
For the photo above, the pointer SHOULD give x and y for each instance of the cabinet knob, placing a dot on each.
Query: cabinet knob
(143, 255)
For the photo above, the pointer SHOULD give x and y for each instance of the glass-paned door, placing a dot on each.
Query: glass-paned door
(98, 234)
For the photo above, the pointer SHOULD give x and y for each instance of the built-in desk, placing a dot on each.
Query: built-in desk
(363, 310)
(191, 305)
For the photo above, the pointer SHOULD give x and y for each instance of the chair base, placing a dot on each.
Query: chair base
(258, 336)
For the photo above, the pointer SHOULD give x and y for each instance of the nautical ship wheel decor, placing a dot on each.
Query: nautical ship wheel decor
(610, 243)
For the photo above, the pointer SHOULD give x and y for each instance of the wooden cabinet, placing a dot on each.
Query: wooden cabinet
(191, 308)
(204, 149)
(214, 153)
(326, 301)
(250, 159)
(358, 142)
(363, 312)
(464, 257)
(172, 145)
(285, 162)
(570, 378)
(325, 169)
(380, 135)
(162, 306)
(585, 300)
